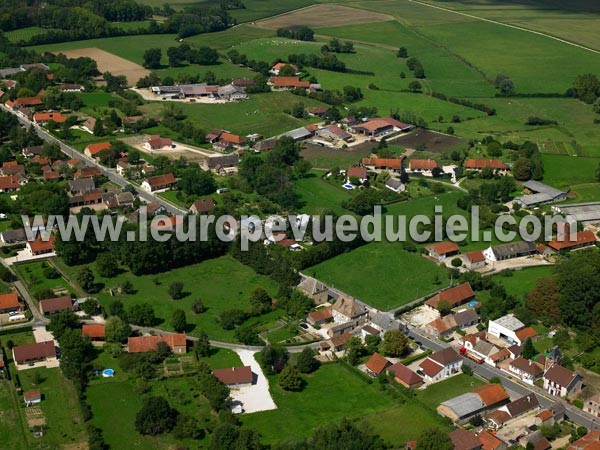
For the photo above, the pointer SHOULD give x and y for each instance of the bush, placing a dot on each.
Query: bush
(456, 262)
(51, 273)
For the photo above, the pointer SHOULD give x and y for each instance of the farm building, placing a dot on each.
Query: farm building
(510, 250)
(141, 344)
(32, 397)
(405, 376)
(474, 260)
(159, 183)
(479, 164)
(461, 408)
(510, 329)
(581, 212)
(383, 164)
(43, 118)
(158, 143)
(540, 194)
(335, 133)
(376, 365)
(442, 250)
(582, 239)
(455, 296)
(380, 127)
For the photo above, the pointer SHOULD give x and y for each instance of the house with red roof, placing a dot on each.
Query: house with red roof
(9, 303)
(423, 166)
(383, 164)
(585, 238)
(11, 183)
(380, 127)
(177, 342)
(235, 376)
(442, 250)
(478, 165)
(404, 376)
(94, 331)
(43, 118)
(23, 355)
(158, 143)
(358, 172)
(320, 316)
(439, 365)
(474, 260)
(40, 246)
(280, 65)
(287, 83)
(92, 150)
(159, 183)
(376, 365)
(56, 305)
(455, 296)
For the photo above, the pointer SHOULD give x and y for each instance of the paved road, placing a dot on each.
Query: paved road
(109, 173)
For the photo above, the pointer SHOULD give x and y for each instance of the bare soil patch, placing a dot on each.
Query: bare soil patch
(107, 62)
(427, 140)
(321, 16)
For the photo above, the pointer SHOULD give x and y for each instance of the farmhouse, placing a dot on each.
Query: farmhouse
(267, 144)
(10, 183)
(12, 168)
(442, 250)
(32, 397)
(358, 172)
(287, 83)
(562, 382)
(280, 65)
(93, 150)
(455, 296)
(474, 260)
(43, 118)
(490, 442)
(583, 238)
(9, 303)
(464, 440)
(158, 143)
(159, 183)
(503, 415)
(442, 326)
(314, 289)
(202, 206)
(479, 164)
(510, 329)
(231, 93)
(56, 305)
(379, 127)
(540, 194)
(30, 353)
(335, 134)
(376, 365)
(299, 134)
(510, 250)
(222, 164)
(405, 376)
(590, 441)
(423, 166)
(383, 164)
(94, 331)
(320, 316)
(460, 409)
(441, 364)
(235, 376)
(40, 247)
(142, 344)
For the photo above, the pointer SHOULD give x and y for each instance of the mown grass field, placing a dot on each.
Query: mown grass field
(33, 275)
(318, 195)
(564, 172)
(522, 281)
(25, 34)
(221, 283)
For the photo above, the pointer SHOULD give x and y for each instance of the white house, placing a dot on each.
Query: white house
(510, 329)
(562, 382)
(439, 365)
(528, 371)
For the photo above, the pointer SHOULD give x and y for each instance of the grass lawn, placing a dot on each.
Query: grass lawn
(331, 393)
(445, 390)
(221, 358)
(563, 172)
(262, 113)
(33, 275)
(318, 195)
(522, 281)
(222, 283)
(13, 430)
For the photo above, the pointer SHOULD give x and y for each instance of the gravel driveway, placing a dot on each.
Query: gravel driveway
(256, 397)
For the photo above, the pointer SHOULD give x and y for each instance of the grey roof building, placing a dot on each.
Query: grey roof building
(540, 194)
(299, 134)
(462, 407)
(510, 250)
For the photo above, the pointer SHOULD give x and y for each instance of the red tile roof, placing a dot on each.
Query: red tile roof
(49, 116)
(377, 363)
(321, 315)
(31, 395)
(475, 256)
(96, 148)
(232, 138)
(489, 441)
(491, 394)
(442, 248)
(423, 164)
(582, 238)
(95, 330)
(51, 305)
(291, 82)
(156, 141)
(430, 368)
(8, 301)
(28, 101)
(590, 441)
(495, 164)
(28, 352)
(454, 296)
(464, 440)
(359, 172)
(161, 180)
(234, 375)
(40, 246)
(383, 163)
(142, 344)
(545, 414)
(9, 182)
(525, 333)
(404, 374)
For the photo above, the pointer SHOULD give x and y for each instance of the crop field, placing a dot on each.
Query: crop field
(229, 287)
(262, 113)
(319, 16)
(223, 40)
(428, 141)
(108, 62)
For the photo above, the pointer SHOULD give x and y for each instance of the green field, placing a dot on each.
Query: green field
(318, 195)
(221, 283)
(564, 172)
(33, 275)
(25, 34)
(522, 281)
(262, 113)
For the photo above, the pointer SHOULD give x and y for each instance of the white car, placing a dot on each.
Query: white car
(3, 216)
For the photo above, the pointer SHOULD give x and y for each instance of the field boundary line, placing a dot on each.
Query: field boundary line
(516, 27)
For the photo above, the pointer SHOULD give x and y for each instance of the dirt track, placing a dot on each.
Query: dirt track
(107, 62)
(320, 16)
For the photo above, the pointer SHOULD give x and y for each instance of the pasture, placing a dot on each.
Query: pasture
(229, 287)
(522, 281)
(318, 16)
(328, 158)
(318, 195)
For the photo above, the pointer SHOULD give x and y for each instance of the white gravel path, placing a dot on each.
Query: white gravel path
(256, 397)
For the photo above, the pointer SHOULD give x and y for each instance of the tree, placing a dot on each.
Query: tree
(155, 417)
(414, 86)
(434, 439)
(62, 322)
(273, 358)
(116, 329)
(141, 314)
(247, 335)
(345, 435)
(402, 52)
(544, 299)
(86, 280)
(444, 307)
(202, 344)
(75, 354)
(90, 306)
(587, 87)
(178, 320)
(290, 379)
(152, 58)
(394, 343)
(528, 349)
(306, 362)
(260, 300)
(522, 169)
(175, 56)
(198, 306)
(598, 173)
(176, 290)
(506, 87)
(106, 265)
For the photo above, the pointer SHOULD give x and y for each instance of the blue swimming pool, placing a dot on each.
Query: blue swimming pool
(108, 373)
(473, 303)
(348, 186)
